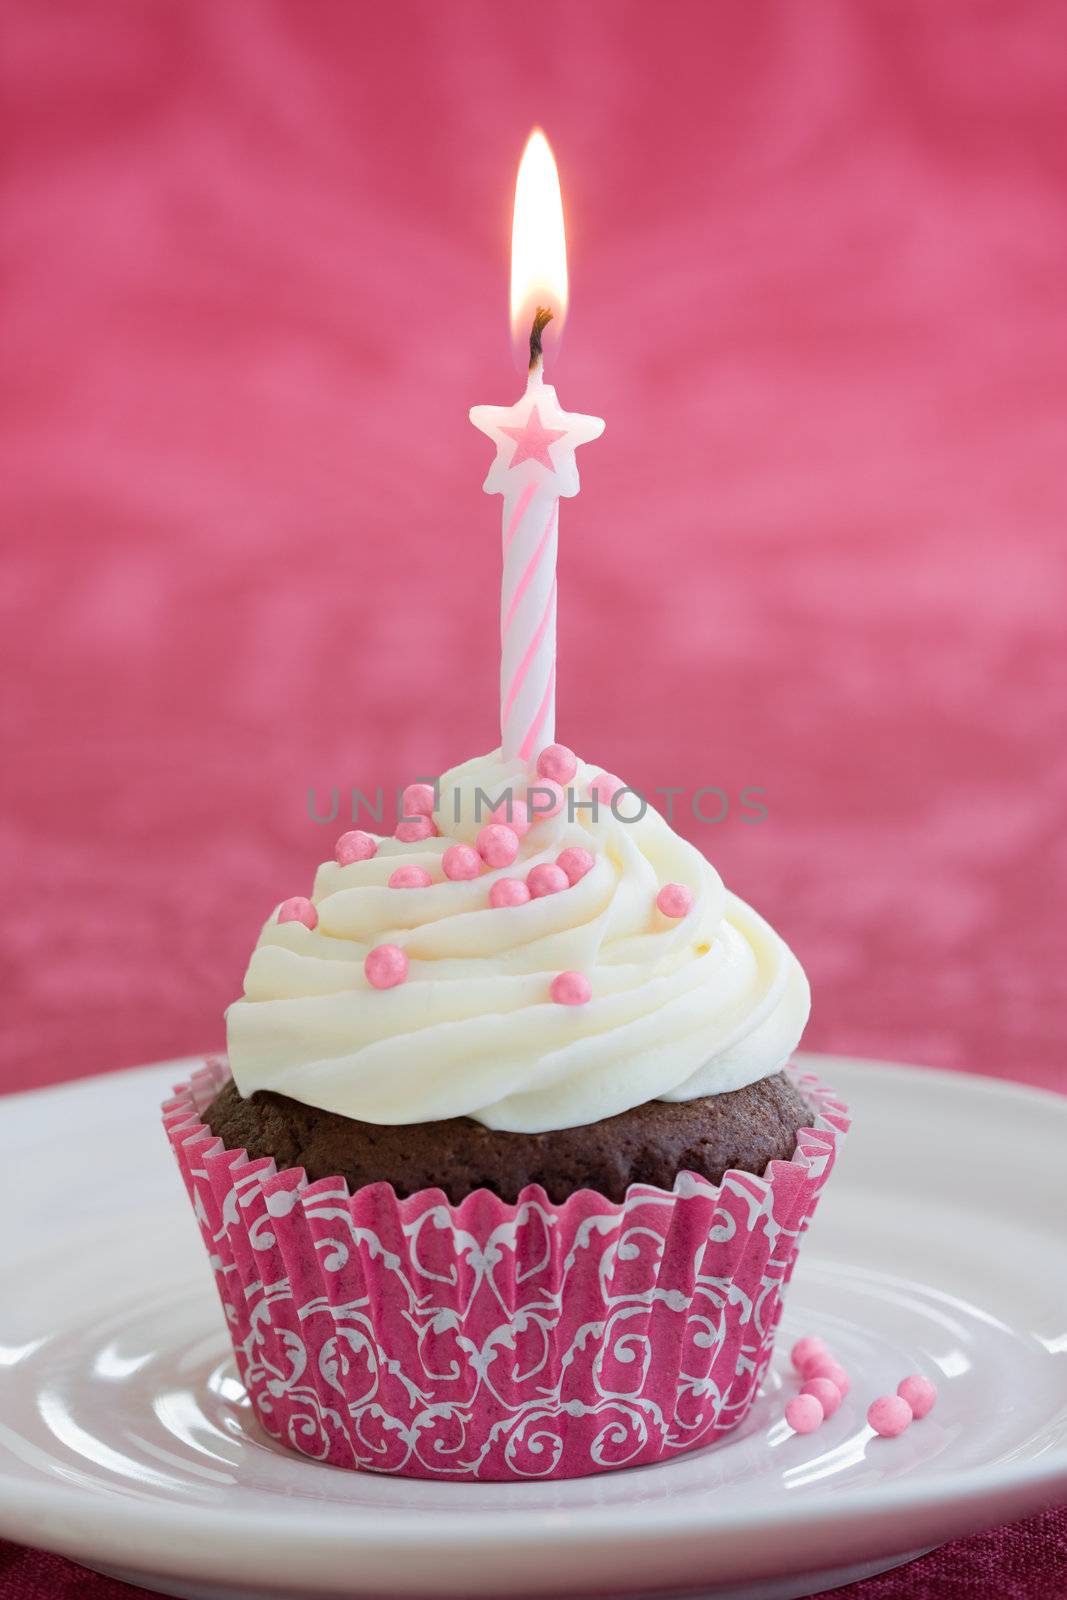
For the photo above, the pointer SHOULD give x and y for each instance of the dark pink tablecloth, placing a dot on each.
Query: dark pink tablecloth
(254, 263)
(1026, 1562)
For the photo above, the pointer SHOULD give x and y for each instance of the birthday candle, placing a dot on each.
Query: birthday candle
(534, 467)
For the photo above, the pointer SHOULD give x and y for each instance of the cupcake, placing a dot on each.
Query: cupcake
(506, 1171)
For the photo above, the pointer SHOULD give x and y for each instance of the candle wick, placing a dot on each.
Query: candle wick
(542, 317)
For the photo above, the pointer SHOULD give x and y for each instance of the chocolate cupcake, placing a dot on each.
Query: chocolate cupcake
(742, 1130)
(509, 1174)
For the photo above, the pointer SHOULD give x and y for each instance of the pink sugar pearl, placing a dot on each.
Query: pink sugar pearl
(558, 762)
(570, 989)
(461, 861)
(386, 966)
(804, 1413)
(518, 821)
(604, 786)
(298, 909)
(827, 1367)
(675, 900)
(410, 878)
(919, 1393)
(498, 845)
(575, 862)
(540, 805)
(807, 1350)
(546, 878)
(355, 846)
(509, 892)
(417, 800)
(826, 1393)
(889, 1415)
(412, 829)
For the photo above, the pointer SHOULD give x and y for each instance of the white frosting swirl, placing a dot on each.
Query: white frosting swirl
(680, 1008)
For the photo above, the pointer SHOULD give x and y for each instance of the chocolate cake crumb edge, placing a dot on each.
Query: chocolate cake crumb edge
(652, 1143)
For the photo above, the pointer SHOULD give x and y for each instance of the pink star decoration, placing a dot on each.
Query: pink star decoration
(533, 440)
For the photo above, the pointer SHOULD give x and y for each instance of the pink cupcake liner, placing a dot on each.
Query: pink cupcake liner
(495, 1341)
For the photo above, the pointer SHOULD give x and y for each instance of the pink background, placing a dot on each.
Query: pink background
(255, 272)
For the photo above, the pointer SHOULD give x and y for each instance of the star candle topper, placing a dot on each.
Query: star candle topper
(535, 442)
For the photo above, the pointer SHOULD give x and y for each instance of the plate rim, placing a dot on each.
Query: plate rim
(427, 1528)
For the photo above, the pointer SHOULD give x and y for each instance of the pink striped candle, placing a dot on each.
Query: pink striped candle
(534, 467)
(533, 470)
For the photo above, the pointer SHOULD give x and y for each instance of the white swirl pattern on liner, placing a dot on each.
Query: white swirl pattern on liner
(700, 1005)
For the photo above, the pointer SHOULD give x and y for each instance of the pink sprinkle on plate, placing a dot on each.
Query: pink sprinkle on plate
(809, 1349)
(827, 1367)
(804, 1413)
(889, 1415)
(920, 1394)
(826, 1393)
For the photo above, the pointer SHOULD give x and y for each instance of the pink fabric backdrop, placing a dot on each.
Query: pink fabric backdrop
(254, 260)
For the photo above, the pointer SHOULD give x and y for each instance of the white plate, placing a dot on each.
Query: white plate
(126, 1441)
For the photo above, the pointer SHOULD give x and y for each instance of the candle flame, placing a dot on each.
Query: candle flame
(538, 243)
